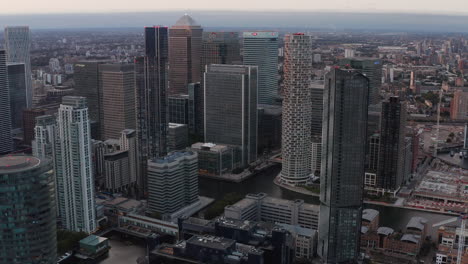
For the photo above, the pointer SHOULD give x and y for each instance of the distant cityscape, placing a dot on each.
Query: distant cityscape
(178, 144)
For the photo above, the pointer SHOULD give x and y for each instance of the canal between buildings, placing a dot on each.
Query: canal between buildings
(126, 253)
(396, 218)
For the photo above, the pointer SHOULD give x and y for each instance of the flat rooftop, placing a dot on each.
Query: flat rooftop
(219, 243)
(93, 240)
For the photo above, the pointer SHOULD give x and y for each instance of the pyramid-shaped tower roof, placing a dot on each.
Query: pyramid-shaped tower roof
(186, 21)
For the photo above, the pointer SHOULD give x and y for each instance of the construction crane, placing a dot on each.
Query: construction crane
(436, 143)
(461, 235)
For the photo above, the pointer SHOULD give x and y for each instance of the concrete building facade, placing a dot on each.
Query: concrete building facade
(172, 182)
(297, 110)
(73, 166)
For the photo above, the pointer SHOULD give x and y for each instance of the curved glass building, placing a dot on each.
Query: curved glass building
(27, 211)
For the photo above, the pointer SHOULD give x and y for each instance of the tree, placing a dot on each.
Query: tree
(68, 240)
(218, 207)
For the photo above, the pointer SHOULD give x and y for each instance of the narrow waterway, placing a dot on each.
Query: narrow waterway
(396, 218)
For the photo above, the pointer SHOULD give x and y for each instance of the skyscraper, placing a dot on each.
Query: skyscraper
(261, 49)
(17, 87)
(27, 214)
(151, 99)
(343, 162)
(185, 38)
(117, 82)
(86, 77)
(196, 110)
(172, 182)
(392, 142)
(217, 48)
(372, 69)
(74, 171)
(18, 46)
(297, 109)
(231, 107)
(6, 140)
(220, 48)
(317, 110)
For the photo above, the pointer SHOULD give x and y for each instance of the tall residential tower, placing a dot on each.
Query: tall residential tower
(392, 142)
(343, 165)
(74, 170)
(297, 109)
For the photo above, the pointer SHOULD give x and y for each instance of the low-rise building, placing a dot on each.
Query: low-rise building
(448, 238)
(384, 243)
(305, 241)
(370, 219)
(93, 247)
(234, 241)
(216, 159)
(260, 207)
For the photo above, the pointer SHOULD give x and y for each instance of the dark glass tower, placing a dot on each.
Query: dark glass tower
(392, 141)
(344, 137)
(151, 99)
(220, 48)
(87, 85)
(372, 69)
(231, 107)
(17, 86)
(6, 141)
(217, 48)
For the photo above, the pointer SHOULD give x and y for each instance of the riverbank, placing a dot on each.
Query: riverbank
(300, 190)
(238, 178)
(397, 204)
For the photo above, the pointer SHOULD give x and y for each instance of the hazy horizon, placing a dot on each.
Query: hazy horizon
(331, 21)
(106, 6)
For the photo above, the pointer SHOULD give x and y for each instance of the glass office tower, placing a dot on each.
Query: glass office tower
(18, 47)
(27, 211)
(231, 107)
(151, 73)
(261, 49)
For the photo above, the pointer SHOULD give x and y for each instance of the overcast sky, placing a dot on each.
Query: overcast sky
(80, 6)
